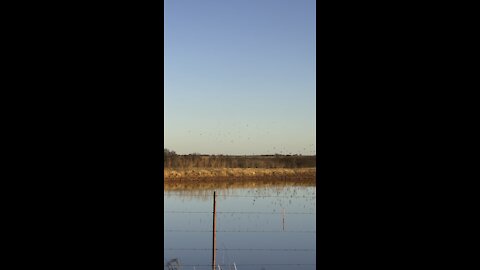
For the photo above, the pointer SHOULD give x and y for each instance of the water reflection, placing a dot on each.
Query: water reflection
(205, 188)
(259, 225)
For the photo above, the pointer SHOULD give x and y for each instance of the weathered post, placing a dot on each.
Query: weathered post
(214, 235)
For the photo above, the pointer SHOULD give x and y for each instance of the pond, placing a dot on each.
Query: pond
(259, 225)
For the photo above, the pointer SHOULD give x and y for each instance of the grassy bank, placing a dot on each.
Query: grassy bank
(238, 173)
(174, 161)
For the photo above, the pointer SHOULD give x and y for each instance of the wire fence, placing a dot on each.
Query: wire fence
(239, 196)
(275, 264)
(254, 250)
(240, 212)
(242, 249)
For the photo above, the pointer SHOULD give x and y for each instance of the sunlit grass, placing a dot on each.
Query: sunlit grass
(236, 173)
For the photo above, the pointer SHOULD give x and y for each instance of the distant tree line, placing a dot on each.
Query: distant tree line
(174, 161)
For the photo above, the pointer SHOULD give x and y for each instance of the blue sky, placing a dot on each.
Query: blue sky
(240, 76)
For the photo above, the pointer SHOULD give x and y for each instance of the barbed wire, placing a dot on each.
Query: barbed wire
(242, 249)
(267, 264)
(238, 196)
(258, 196)
(240, 212)
(245, 231)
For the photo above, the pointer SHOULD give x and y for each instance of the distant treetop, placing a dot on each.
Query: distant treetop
(168, 153)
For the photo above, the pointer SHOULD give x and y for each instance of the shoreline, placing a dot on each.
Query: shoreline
(229, 174)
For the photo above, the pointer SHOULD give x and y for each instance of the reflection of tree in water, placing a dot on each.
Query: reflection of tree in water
(174, 264)
(203, 189)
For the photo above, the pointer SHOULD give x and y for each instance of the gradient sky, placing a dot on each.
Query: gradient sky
(240, 76)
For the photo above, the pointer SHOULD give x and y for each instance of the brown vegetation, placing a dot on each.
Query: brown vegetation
(225, 168)
(173, 161)
(239, 173)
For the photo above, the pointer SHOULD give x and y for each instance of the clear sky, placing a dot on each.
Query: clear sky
(240, 76)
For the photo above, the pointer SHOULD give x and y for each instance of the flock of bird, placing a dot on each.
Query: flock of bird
(228, 138)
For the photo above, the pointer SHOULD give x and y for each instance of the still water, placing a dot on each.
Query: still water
(258, 226)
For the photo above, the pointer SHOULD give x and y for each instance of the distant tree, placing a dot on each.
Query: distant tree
(170, 152)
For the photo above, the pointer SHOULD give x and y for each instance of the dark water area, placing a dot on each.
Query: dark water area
(258, 226)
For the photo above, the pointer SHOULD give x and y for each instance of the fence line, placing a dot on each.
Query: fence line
(267, 264)
(214, 230)
(240, 212)
(220, 231)
(240, 196)
(242, 249)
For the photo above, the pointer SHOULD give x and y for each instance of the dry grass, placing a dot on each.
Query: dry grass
(215, 161)
(230, 173)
